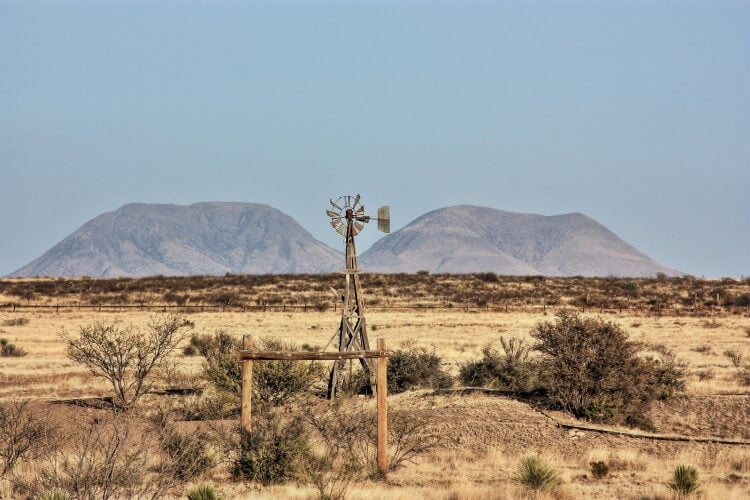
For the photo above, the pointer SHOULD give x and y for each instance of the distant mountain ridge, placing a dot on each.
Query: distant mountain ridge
(465, 238)
(214, 238)
(142, 239)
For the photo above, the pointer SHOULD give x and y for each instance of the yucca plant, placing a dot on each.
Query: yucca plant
(684, 480)
(54, 494)
(203, 492)
(536, 475)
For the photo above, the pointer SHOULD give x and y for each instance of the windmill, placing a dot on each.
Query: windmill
(348, 218)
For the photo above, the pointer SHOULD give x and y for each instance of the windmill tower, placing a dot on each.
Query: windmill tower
(348, 218)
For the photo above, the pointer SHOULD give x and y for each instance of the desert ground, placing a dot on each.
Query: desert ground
(484, 433)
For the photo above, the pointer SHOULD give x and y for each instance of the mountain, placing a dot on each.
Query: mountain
(466, 239)
(205, 238)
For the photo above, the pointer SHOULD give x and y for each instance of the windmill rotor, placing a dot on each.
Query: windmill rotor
(347, 213)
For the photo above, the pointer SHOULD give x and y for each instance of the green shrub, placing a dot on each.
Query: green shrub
(221, 366)
(274, 382)
(481, 373)
(684, 480)
(416, 369)
(190, 350)
(275, 452)
(8, 350)
(279, 381)
(536, 475)
(188, 454)
(203, 492)
(590, 368)
(599, 469)
(511, 370)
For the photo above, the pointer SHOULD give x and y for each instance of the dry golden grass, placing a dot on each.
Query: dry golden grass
(486, 435)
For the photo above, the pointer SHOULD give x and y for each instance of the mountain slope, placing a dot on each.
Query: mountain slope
(467, 238)
(205, 238)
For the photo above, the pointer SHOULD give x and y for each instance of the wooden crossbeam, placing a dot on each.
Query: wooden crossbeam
(314, 356)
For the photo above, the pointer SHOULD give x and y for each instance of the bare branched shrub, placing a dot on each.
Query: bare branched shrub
(22, 435)
(107, 460)
(125, 356)
(735, 357)
(350, 430)
(410, 435)
(186, 456)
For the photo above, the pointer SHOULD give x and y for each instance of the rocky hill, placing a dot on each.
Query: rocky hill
(205, 238)
(465, 239)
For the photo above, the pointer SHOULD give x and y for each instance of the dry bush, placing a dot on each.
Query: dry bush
(106, 460)
(186, 455)
(16, 321)
(125, 356)
(22, 435)
(351, 430)
(274, 452)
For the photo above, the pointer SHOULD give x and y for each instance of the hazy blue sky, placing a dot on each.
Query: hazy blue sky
(636, 113)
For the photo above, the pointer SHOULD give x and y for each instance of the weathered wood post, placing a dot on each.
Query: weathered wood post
(247, 386)
(382, 388)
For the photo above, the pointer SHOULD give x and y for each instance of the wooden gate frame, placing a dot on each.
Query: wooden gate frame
(248, 355)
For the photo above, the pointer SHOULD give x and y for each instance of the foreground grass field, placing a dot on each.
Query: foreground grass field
(485, 434)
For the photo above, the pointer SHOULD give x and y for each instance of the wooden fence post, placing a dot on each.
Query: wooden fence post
(382, 388)
(247, 387)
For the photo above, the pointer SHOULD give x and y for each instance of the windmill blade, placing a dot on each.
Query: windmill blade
(331, 213)
(363, 218)
(335, 222)
(341, 229)
(348, 201)
(360, 210)
(384, 219)
(356, 201)
(358, 226)
(334, 205)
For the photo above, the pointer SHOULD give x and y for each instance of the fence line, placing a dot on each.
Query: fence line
(304, 307)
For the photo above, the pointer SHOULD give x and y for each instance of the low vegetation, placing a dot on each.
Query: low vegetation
(10, 350)
(125, 356)
(180, 431)
(534, 474)
(684, 481)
